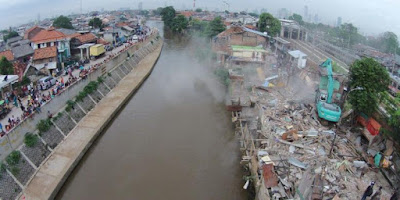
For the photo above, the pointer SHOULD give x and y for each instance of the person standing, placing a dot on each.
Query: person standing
(368, 192)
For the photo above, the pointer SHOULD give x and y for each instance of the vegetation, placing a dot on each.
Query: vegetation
(253, 14)
(168, 15)
(223, 75)
(30, 139)
(158, 11)
(14, 158)
(199, 10)
(369, 75)
(387, 42)
(10, 35)
(100, 79)
(6, 67)
(70, 105)
(267, 23)
(96, 23)
(63, 22)
(215, 27)
(179, 23)
(298, 18)
(145, 13)
(43, 125)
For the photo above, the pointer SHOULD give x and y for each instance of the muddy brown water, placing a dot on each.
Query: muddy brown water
(173, 140)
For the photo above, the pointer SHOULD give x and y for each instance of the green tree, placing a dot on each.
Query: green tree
(373, 78)
(390, 43)
(199, 10)
(269, 24)
(10, 35)
(144, 13)
(179, 23)
(6, 67)
(298, 18)
(215, 27)
(253, 14)
(96, 23)
(226, 12)
(63, 22)
(157, 11)
(168, 15)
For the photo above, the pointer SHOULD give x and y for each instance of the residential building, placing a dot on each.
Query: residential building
(30, 33)
(81, 39)
(45, 59)
(12, 40)
(245, 40)
(8, 54)
(298, 59)
(50, 38)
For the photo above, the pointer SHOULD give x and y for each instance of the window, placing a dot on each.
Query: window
(50, 59)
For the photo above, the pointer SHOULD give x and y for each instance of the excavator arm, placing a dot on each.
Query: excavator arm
(328, 65)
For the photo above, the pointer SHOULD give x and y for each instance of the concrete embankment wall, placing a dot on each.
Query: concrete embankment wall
(52, 174)
(16, 137)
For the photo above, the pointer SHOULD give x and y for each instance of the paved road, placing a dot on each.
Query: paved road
(17, 112)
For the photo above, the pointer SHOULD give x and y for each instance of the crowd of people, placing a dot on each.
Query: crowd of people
(36, 98)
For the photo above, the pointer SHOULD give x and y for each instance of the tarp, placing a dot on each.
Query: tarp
(50, 65)
(10, 80)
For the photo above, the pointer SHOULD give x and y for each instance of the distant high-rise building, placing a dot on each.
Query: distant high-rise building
(305, 12)
(316, 19)
(140, 6)
(339, 22)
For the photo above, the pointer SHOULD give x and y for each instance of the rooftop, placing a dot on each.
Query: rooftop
(47, 36)
(22, 50)
(48, 52)
(297, 54)
(8, 54)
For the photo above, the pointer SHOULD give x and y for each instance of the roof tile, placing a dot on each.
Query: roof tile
(8, 54)
(48, 52)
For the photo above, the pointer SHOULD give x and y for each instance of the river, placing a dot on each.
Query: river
(173, 140)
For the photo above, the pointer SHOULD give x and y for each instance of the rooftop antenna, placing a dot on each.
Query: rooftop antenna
(194, 4)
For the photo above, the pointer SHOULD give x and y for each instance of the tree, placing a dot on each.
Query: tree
(269, 24)
(6, 67)
(373, 78)
(226, 12)
(10, 35)
(253, 14)
(179, 23)
(199, 10)
(96, 23)
(389, 42)
(158, 11)
(145, 13)
(63, 22)
(298, 18)
(168, 15)
(215, 27)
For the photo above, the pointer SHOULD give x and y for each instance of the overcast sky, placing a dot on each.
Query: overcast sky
(371, 16)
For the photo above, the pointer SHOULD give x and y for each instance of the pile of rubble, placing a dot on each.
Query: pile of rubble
(301, 159)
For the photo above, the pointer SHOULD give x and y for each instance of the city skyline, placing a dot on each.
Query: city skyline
(372, 17)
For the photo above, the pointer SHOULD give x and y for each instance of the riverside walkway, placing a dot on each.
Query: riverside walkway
(56, 169)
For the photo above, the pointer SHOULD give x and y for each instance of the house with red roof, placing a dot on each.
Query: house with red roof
(52, 38)
(80, 39)
(45, 59)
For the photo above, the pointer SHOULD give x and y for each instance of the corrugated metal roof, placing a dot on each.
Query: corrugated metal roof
(256, 32)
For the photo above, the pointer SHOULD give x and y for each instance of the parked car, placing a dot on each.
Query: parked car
(109, 48)
(135, 38)
(47, 82)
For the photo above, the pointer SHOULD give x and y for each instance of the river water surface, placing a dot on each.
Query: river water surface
(173, 140)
